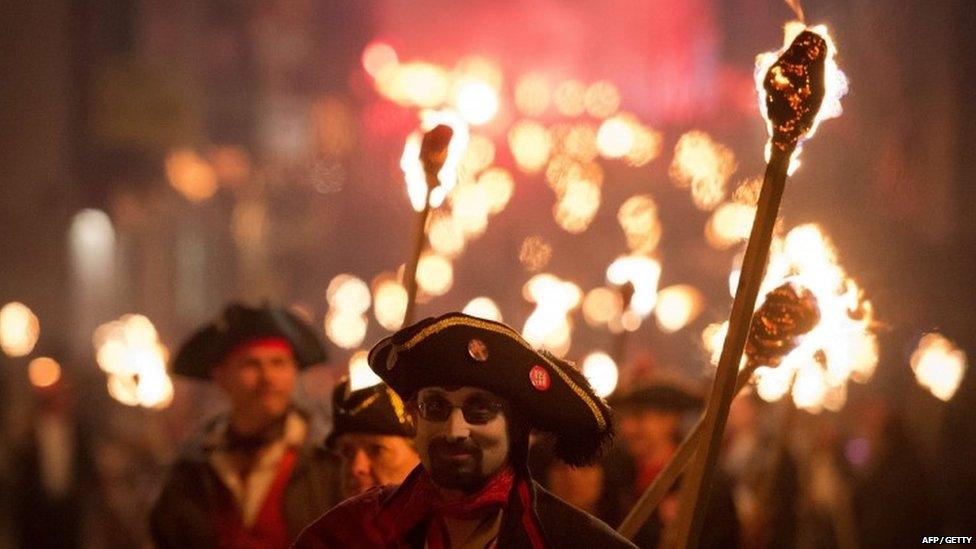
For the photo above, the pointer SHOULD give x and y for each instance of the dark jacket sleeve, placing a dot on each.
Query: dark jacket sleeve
(567, 526)
(183, 514)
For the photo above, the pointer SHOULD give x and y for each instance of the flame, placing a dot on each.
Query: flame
(704, 165)
(19, 329)
(483, 307)
(939, 365)
(361, 375)
(413, 169)
(842, 346)
(530, 143)
(644, 274)
(601, 371)
(835, 82)
(129, 351)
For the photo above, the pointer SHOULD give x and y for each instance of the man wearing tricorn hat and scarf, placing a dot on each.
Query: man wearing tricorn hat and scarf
(256, 476)
(372, 434)
(476, 390)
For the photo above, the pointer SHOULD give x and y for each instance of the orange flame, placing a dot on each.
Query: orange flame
(835, 82)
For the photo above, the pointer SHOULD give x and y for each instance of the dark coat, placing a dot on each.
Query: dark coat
(185, 514)
(351, 525)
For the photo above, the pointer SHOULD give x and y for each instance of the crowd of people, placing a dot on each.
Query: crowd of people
(469, 437)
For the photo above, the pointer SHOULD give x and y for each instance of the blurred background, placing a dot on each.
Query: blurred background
(164, 157)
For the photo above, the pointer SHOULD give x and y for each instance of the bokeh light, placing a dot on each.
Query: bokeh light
(638, 219)
(378, 56)
(570, 98)
(704, 165)
(615, 137)
(19, 329)
(939, 365)
(361, 375)
(389, 301)
(531, 144)
(435, 274)
(477, 102)
(578, 206)
(483, 307)
(602, 99)
(129, 351)
(602, 305)
(43, 372)
(601, 371)
(349, 294)
(533, 95)
(345, 328)
(677, 306)
(191, 175)
(498, 186)
(534, 253)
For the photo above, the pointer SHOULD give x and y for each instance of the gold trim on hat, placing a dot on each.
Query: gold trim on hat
(504, 330)
(398, 407)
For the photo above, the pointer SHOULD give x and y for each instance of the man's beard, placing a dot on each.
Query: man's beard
(456, 465)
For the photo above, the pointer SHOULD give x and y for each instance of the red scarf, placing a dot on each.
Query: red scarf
(419, 500)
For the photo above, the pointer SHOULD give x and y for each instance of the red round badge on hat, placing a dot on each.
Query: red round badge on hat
(539, 378)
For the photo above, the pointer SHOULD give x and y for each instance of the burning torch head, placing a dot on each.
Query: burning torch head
(789, 312)
(795, 89)
(433, 150)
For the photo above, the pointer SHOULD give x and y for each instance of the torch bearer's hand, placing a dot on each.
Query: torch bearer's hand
(433, 150)
(795, 89)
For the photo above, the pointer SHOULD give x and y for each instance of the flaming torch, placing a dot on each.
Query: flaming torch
(793, 90)
(426, 191)
(789, 312)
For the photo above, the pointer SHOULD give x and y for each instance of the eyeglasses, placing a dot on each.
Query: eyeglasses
(476, 410)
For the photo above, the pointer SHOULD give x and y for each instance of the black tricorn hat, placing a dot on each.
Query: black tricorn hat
(239, 324)
(375, 410)
(457, 350)
(660, 396)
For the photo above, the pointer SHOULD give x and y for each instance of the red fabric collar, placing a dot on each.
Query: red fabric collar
(419, 500)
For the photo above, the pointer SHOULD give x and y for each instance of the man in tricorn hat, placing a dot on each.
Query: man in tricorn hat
(254, 477)
(372, 434)
(476, 390)
(653, 421)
